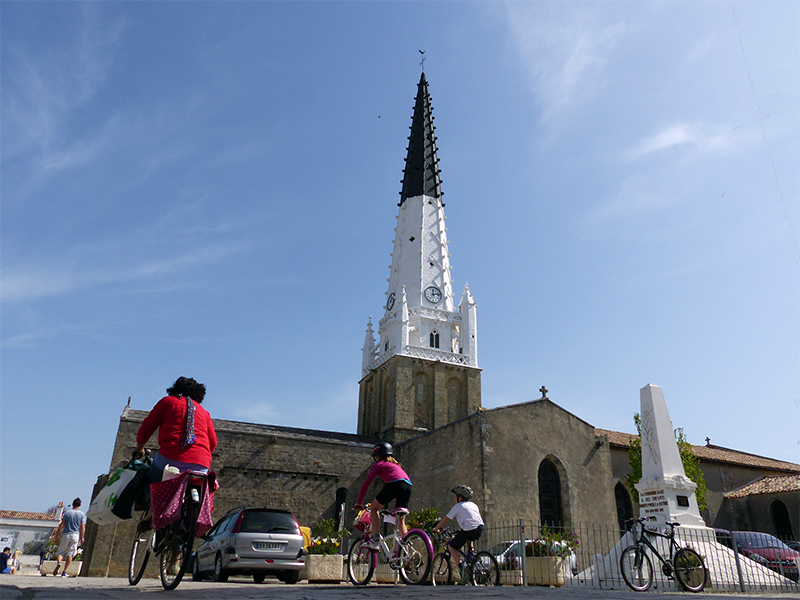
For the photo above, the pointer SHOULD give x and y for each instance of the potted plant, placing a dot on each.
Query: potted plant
(545, 556)
(324, 561)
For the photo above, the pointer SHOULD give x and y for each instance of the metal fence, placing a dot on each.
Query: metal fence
(592, 557)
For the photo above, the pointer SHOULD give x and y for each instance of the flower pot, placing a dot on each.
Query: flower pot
(510, 577)
(48, 566)
(545, 570)
(323, 568)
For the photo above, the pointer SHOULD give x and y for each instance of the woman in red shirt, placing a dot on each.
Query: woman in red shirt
(186, 436)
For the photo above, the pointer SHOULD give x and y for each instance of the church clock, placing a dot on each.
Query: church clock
(433, 294)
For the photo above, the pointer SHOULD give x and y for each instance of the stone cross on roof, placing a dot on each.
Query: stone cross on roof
(544, 393)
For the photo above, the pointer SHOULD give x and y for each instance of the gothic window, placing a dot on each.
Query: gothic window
(456, 408)
(422, 404)
(781, 521)
(624, 506)
(434, 339)
(549, 495)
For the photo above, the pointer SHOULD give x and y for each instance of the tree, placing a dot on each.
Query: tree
(691, 464)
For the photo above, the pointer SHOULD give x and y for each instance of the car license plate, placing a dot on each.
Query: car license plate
(268, 546)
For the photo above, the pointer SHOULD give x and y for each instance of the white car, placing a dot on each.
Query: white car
(252, 541)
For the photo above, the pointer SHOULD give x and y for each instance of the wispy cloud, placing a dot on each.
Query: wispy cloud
(41, 88)
(23, 283)
(705, 138)
(565, 59)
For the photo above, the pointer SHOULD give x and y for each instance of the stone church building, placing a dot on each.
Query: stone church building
(421, 390)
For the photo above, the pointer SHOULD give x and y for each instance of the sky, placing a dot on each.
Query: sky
(209, 189)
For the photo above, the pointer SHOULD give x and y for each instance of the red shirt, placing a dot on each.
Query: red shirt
(169, 417)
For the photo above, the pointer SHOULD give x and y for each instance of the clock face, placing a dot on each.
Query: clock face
(433, 294)
(390, 301)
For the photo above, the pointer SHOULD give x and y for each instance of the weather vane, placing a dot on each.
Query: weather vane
(422, 62)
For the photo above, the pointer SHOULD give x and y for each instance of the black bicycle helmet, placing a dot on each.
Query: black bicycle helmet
(382, 449)
(462, 490)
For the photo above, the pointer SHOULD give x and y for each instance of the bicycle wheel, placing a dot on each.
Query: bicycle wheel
(636, 568)
(415, 564)
(484, 570)
(689, 570)
(442, 571)
(140, 554)
(178, 551)
(361, 563)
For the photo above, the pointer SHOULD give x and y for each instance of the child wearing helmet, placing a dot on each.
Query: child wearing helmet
(468, 516)
(397, 488)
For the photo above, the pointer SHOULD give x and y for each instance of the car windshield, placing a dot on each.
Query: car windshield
(500, 548)
(267, 521)
(746, 539)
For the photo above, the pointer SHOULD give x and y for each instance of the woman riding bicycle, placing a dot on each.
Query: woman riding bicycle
(398, 488)
(186, 435)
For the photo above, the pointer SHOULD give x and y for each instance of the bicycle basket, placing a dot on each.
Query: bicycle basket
(362, 521)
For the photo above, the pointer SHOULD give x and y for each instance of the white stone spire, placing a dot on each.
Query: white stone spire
(469, 327)
(369, 350)
(420, 318)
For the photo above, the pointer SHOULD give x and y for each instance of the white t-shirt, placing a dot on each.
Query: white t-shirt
(466, 514)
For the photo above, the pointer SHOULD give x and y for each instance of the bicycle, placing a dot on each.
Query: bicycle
(481, 568)
(173, 543)
(684, 564)
(410, 555)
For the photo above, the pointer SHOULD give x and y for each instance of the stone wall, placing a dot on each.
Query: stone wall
(498, 452)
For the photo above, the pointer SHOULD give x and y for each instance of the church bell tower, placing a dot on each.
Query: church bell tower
(422, 372)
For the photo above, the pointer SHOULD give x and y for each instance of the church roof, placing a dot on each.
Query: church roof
(294, 433)
(421, 174)
(711, 453)
(30, 516)
(768, 485)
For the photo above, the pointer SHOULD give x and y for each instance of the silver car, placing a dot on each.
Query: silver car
(252, 541)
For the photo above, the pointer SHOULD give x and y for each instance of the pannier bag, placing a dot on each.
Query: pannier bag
(115, 501)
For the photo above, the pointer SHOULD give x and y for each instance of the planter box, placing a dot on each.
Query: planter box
(545, 570)
(323, 568)
(49, 566)
(510, 577)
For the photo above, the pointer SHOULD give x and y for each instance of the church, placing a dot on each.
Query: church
(420, 389)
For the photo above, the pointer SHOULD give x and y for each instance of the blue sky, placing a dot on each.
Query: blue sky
(209, 189)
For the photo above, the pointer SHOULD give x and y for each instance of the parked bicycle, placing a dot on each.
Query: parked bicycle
(480, 568)
(684, 564)
(173, 543)
(410, 556)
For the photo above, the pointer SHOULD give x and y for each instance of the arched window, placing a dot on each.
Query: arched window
(624, 506)
(423, 417)
(781, 521)
(549, 495)
(434, 339)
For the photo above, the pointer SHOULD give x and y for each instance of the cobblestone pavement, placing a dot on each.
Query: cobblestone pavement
(21, 587)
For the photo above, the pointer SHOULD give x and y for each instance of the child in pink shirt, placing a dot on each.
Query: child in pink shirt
(397, 488)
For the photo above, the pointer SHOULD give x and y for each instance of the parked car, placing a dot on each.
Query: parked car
(769, 551)
(252, 541)
(508, 555)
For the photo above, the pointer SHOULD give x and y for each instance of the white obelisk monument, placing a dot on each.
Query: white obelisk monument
(664, 490)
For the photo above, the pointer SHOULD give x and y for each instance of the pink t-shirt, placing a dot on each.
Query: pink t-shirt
(386, 471)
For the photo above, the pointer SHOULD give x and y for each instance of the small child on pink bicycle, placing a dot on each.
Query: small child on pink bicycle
(397, 488)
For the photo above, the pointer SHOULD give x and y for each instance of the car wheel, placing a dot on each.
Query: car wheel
(196, 575)
(291, 577)
(259, 577)
(220, 574)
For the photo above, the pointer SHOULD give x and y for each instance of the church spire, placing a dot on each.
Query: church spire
(421, 174)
